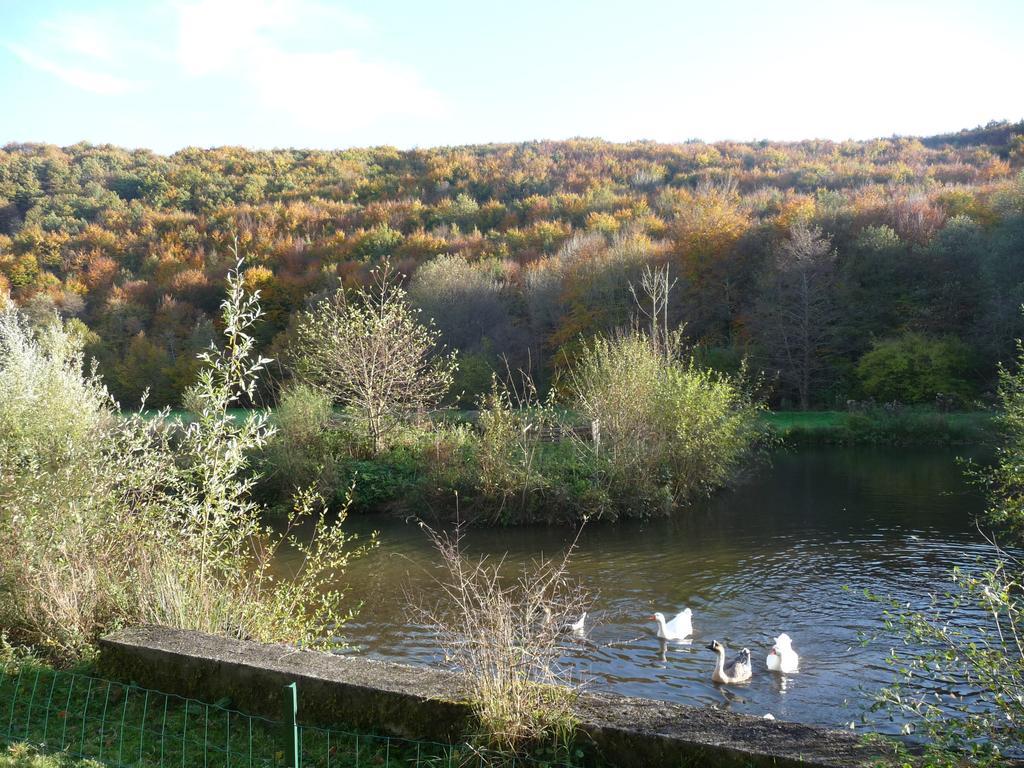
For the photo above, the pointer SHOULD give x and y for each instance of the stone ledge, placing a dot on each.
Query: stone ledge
(428, 703)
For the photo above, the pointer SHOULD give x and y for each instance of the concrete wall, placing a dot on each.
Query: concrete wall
(427, 703)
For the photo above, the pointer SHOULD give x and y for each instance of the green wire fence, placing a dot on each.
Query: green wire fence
(125, 726)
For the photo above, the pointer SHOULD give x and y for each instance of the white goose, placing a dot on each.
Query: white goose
(736, 671)
(782, 657)
(679, 628)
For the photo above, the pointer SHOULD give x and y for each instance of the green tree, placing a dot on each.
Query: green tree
(143, 370)
(372, 354)
(913, 368)
(376, 243)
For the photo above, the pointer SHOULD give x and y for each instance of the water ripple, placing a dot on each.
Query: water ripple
(792, 550)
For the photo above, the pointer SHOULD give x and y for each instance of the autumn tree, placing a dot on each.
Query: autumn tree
(371, 353)
(705, 231)
(465, 301)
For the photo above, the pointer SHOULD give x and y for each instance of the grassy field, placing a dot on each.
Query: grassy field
(880, 427)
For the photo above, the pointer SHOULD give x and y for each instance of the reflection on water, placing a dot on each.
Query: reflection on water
(792, 550)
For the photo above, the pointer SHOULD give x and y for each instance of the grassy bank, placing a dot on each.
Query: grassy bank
(427, 466)
(923, 427)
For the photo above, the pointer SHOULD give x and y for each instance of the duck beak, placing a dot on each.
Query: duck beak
(712, 647)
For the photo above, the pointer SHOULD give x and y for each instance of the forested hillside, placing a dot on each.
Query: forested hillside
(891, 269)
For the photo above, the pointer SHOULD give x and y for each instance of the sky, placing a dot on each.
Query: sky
(166, 74)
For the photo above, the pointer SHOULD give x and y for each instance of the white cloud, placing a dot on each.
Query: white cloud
(80, 77)
(217, 35)
(340, 87)
(81, 35)
(247, 41)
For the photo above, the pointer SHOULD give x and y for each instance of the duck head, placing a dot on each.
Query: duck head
(716, 646)
(782, 644)
(658, 617)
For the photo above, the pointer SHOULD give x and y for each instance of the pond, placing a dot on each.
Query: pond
(791, 549)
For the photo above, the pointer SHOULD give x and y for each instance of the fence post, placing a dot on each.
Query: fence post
(293, 756)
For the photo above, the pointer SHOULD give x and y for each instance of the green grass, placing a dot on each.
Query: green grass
(54, 719)
(910, 426)
(787, 420)
(238, 414)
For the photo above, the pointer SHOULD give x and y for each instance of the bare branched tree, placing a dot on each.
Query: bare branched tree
(373, 355)
(656, 287)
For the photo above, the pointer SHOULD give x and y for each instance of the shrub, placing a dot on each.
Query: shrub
(373, 356)
(504, 635)
(375, 484)
(140, 523)
(48, 408)
(297, 455)
(666, 430)
(914, 369)
(473, 379)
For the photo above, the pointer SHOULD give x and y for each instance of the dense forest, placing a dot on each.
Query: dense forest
(890, 269)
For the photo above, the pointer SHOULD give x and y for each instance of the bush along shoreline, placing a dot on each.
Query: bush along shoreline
(521, 460)
(632, 426)
(109, 521)
(558, 478)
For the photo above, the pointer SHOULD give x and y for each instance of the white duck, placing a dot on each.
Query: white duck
(736, 671)
(679, 628)
(782, 657)
(575, 626)
(568, 626)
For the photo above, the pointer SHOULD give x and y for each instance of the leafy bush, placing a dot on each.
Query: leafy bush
(666, 430)
(141, 523)
(376, 484)
(473, 379)
(298, 454)
(48, 408)
(914, 369)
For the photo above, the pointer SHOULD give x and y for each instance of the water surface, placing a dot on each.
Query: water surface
(792, 549)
